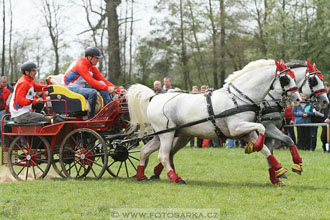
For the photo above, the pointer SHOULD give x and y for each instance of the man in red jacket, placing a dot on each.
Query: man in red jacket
(23, 96)
(84, 77)
(4, 94)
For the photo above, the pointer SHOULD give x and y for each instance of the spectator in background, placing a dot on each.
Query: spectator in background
(4, 94)
(6, 85)
(194, 89)
(158, 87)
(326, 118)
(204, 88)
(289, 120)
(167, 83)
(303, 113)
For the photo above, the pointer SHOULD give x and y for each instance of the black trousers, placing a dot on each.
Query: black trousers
(304, 138)
(324, 137)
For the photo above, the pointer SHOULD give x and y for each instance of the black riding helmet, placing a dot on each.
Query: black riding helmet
(93, 52)
(28, 66)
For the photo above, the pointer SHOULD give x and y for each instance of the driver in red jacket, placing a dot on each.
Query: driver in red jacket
(84, 77)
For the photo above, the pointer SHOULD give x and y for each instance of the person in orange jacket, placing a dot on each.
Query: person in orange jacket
(84, 77)
(23, 96)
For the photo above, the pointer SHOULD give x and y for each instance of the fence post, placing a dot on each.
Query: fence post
(328, 138)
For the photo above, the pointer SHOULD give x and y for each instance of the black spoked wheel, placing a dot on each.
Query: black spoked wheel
(29, 157)
(123, 158)
(83, 154)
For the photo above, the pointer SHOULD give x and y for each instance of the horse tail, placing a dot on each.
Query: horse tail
(138, 98)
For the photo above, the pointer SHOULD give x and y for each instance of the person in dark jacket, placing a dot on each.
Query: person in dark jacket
(303, 113)
(326, 113)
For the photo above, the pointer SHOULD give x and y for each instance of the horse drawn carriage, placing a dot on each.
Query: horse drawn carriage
(74, 147)
(78, 148)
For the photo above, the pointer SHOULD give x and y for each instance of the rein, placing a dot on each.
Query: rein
(228, 112)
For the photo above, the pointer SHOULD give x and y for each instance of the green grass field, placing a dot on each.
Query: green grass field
(234, 184)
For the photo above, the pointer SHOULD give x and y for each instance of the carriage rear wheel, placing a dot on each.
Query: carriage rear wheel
(123, 158)
(82, 153)
(29, 157)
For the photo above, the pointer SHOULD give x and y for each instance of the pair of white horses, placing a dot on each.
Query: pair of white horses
(246, 87)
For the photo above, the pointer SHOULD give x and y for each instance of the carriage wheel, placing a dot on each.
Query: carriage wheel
(57, 165)
(81, 154)
(123, 158)
(29, 157)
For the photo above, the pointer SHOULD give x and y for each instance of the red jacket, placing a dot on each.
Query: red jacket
(82, 72)
(21, 101)
(4, 94)
(288, 113)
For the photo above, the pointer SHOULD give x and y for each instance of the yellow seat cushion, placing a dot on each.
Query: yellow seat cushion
(75, 101)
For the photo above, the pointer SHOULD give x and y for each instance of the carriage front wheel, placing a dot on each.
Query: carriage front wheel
(29, 157)
(82, 153)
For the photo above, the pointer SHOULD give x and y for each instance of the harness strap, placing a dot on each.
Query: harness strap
(211, 114)
(273, 98)
(228, 112)
(241, 93)
(271, 110)
(269, 118)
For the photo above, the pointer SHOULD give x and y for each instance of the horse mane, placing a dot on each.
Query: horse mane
(249, 67)
(296, 64)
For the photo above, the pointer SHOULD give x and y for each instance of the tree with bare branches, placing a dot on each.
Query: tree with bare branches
(52, 13)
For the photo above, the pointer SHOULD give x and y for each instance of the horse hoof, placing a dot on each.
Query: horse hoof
(250, 147)
(297, 168)
(181, 182)
(283, 176)
(154, 177)
(280, 173)
(279, 184)
(144, 179)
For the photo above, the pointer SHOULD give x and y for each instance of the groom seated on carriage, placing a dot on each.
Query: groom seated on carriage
(84, 77)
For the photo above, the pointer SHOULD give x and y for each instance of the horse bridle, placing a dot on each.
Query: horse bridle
(312, 81)
(284, 81)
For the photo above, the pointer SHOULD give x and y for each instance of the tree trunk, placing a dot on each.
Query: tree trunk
(11, 62)
(199, 60)
(184, 58)
(3, 61)
(130, 46)
(214, 48)
(222, 44)
(113, 40)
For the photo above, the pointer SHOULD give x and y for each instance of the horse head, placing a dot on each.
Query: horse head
(313, 86)
(284, 82)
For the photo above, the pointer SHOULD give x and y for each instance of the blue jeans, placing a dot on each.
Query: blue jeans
(105, 94)
(90, 94)
(230, 143)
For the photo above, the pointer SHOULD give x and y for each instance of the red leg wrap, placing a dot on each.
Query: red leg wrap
(295, 155)
(272, 176)
(140, 173)
(158, 169)
(173, 176)
(260, 142)
(275, 164)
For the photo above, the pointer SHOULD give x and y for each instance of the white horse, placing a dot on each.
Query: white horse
(310, 82)
(247, 87)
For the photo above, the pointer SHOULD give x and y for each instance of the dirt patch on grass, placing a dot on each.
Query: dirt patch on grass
(5, 176)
